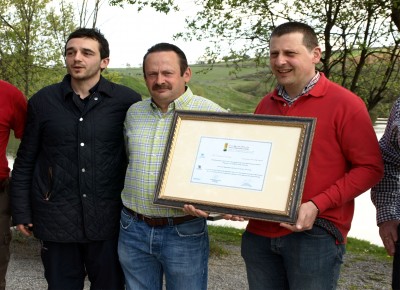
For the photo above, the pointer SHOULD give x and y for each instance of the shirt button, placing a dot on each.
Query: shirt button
(96, 98)
(284, 105)
(84, 195)
(80, 119)
(83, 170)
(82, 144)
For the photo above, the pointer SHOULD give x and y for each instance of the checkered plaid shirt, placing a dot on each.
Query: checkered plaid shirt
(146, 131)
(386, 194)
(282, 92)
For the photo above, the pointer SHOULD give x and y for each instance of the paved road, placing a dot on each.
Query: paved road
(25, 270)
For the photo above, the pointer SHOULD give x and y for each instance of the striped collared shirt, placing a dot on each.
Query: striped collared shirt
(386, 194)
(282, 92)
(146, 131)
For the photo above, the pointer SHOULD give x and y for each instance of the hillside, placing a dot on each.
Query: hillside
(239, 91)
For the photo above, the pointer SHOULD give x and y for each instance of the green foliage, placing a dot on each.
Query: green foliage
(112, 76)
(239, 29)
(133, 78)
(220, 236)
(12, 146)
(364, 247)
(225, 235)
(217, 250)
(239, 92)
(359, 39)
(343, 28)
(159, 5)
(32, 35)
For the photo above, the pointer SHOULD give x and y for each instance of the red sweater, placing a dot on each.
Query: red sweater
(12, 116)
(345, 158)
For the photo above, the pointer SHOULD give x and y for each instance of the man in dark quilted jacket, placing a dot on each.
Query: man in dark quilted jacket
(70, 169)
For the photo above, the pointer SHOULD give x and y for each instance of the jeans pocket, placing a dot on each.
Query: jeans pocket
(318, 232)
(193, 228)
(126, 220)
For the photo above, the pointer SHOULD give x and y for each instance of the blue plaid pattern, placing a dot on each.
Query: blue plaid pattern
(386, 194)
(282, 92)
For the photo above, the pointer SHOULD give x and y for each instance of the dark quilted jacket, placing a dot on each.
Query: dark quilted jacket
(70, 167)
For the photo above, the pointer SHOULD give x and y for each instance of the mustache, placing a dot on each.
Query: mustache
(161, 87)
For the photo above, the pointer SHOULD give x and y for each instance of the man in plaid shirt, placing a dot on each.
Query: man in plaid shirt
(386, 194)
(156, 241)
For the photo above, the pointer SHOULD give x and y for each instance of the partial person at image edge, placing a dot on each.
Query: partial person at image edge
(386, 194)
(13, 106)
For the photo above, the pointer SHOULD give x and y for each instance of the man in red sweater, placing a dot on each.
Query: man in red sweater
(345, 161)
(12, 117)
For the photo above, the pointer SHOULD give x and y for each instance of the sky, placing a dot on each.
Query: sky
(131, 33)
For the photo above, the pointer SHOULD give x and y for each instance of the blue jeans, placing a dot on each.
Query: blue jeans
(307, 260)
(179, 252)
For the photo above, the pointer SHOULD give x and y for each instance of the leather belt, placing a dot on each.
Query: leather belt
(160, 221)
(3, 183)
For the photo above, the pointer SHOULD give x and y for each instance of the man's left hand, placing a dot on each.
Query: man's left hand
(305, 220)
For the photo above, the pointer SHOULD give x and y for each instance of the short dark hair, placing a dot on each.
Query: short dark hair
(163, 46)
(310, 39)
(94, 34)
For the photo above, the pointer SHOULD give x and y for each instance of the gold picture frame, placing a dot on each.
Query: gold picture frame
(242, 164)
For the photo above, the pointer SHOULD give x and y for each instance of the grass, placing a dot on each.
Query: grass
(357, 246)
(225, 235)
(222, 236)
(239, 92)
(18, 237)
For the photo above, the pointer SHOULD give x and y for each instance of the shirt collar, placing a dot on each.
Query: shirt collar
(103, 86)
(179, 103)
(282, 92)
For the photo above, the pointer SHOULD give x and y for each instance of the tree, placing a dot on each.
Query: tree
(159, 5)
(360, 44)
(86, 14)
(394, 7)
(32, 35)
(360, 38)
(360, 47)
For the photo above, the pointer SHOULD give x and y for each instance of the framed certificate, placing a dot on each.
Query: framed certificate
(241, 164)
